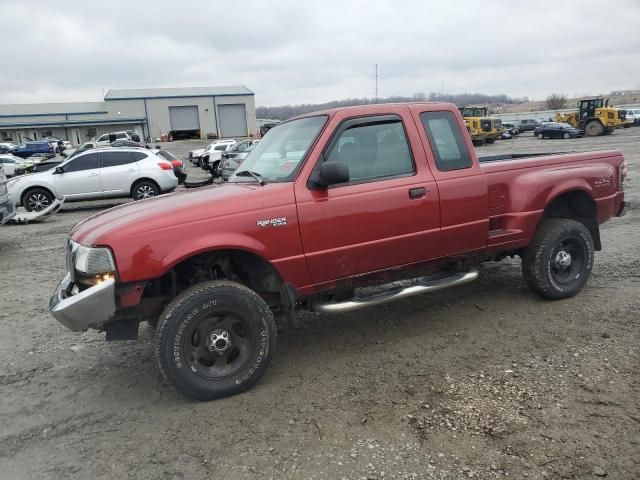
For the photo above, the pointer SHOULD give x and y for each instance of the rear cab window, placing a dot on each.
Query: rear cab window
(447, 142)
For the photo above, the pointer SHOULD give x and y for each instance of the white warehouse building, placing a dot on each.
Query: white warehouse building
(198, 112)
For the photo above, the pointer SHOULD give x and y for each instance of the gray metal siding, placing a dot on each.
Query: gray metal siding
(184, 118)
(233, 120)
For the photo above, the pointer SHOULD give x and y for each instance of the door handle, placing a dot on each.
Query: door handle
(417, 192)
(93, 174)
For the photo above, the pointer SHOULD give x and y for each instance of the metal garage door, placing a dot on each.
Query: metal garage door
(184, 118)
(233, 120)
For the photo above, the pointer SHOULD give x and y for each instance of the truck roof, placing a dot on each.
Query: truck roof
(376, 108)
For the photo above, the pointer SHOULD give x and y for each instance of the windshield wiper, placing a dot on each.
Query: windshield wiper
(247, 173)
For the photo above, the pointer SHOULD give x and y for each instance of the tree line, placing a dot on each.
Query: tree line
(283, 112)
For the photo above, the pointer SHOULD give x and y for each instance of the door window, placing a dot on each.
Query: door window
(85, 162)
(449, 149)
(114, 159)
(373, 150)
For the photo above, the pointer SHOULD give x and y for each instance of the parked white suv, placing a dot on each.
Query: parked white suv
(217, 145)
(103, 140)
(96, 173)
(633, 114)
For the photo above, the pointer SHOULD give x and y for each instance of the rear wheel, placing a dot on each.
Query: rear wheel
(215, 339)
(558, 262)
(593, 128)
(145, 189)
(491, 140)
(37, 199)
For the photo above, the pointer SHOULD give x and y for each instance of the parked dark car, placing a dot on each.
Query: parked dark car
(556, 130)
(47, 165)
(511, 128)
(28, 149)
(127, 143)
(266, 127)
(178, 165)
(233, 159)
(527, 124)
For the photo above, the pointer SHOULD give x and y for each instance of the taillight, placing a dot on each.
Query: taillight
(165, 166)
(623, 174)
(176, 163)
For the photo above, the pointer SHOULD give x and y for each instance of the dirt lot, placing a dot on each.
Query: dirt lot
(485, 380)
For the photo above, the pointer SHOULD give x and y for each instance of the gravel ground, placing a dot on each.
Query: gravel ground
(486, 380)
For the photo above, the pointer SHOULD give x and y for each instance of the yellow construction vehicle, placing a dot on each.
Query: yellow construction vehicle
(482, 127)
(594, 116)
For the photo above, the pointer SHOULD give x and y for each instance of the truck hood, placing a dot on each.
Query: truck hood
(190, 211)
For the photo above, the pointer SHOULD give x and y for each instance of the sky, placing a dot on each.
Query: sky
(296, 51)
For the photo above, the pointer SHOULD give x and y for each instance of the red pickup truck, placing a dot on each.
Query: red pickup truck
(331, 212)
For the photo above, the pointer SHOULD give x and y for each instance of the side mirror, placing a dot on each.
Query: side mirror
(59, 170)
(332, 173)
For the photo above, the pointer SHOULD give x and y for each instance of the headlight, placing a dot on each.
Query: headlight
(93, 261)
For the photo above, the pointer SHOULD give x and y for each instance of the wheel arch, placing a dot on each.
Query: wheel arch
(243, 265)
(143, 179)
(576, 204)
(34, 187)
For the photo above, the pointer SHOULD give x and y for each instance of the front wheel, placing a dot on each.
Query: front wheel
(540, 136)
(594, 128)
(215, 339)
(37, 199)
(566, 135)
(558, 262)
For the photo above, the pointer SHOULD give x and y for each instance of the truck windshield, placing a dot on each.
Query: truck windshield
(277, 156)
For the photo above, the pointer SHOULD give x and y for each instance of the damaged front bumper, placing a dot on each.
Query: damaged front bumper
(80, 310)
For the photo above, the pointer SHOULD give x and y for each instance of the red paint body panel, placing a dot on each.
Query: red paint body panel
(338, 233)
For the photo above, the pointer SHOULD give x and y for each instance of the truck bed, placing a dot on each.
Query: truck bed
(543, 176)
(517, 156)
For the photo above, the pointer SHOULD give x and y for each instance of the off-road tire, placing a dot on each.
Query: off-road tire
(539, 258)
(594, 128)
(30, 202)
(139, 188)
(193, 307)
(491, 141)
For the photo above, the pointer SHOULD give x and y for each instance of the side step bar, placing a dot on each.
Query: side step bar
(395, 294)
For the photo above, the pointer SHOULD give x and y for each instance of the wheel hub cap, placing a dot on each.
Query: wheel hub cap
(563, 259)
(219, 341)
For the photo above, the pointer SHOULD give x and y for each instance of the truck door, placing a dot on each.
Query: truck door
(464, 205)
(386, 215)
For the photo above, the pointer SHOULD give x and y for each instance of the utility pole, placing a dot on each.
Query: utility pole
(376, 83)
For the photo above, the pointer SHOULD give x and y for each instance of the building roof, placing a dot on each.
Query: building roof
(48, 109)
(140, 93)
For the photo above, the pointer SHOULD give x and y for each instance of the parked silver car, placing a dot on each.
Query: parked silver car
(96, 173)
